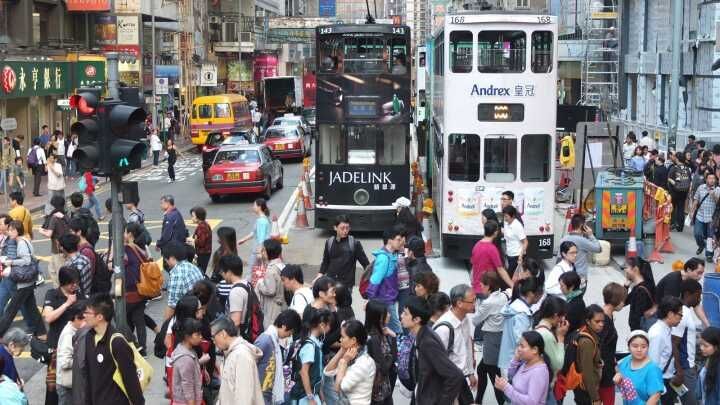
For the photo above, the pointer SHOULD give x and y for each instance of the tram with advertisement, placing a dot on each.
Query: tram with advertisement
(420, 86)
(363, 123)
(493, 124)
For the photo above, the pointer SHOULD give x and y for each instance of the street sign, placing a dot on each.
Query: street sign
(208, 75)
(161, 85)
(8, 124)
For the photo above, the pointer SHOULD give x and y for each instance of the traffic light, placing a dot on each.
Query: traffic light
(124, 129)
(87, 104)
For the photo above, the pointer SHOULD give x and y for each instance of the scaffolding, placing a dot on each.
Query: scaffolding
(600, 67)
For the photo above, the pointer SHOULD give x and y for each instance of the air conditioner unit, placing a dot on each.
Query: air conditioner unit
(215, 20)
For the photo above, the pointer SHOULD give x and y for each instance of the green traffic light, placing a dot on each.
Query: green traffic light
(123, 162)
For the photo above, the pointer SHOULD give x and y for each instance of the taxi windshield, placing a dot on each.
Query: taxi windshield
(277, 133)
(238, 156)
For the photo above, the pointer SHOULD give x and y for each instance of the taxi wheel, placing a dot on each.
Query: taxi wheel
(268, 189)
(215, 198)
(279, 183)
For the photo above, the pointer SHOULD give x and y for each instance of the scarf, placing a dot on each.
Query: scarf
(574, 293)
(278, 389)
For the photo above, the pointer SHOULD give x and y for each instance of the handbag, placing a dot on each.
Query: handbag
(25, 273)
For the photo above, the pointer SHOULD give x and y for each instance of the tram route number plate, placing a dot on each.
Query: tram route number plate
(544, 19)
(545, 242)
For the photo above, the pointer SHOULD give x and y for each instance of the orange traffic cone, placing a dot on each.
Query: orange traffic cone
(301, 220)
(307, 201)
(307, 181)
(632, 245)
(275, 230)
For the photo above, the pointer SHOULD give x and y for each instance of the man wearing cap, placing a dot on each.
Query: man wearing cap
(341, 255)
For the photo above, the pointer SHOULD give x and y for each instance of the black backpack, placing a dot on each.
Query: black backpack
(92, 228)
(451, 335)
(159, 348)
(101, 279)
(293, 359)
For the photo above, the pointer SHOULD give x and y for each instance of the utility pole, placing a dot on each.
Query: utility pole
(677, 20)
(154, 101)
(239, 31)
(112, 68)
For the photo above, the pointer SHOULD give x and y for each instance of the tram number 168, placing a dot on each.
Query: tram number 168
(544, 19)
(545, 242)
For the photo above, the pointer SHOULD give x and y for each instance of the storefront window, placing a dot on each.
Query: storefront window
(464, 157)
(535, 158)
(500, 160)
(501, 51)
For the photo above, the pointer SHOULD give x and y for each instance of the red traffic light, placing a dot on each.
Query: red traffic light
(85, 102)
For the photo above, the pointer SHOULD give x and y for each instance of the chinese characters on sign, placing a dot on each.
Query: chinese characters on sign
(520, 90)
(26, 79)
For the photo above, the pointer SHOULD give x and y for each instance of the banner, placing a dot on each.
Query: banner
(327, 8)
(26, 79)
(88, 5)
(105, 30)
(127, 6)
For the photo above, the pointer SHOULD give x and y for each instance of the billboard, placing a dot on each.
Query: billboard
(309, 88)
(382, 99)
(106, 29)
(327, 8)
(265, 65)
(128, 30)
(88, 5)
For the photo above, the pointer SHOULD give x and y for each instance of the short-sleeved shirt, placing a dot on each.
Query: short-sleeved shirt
(647, 380)
(182, 279)
(262, 230)
(237, 300)
(707, 208)
(307, 352)
(485, 257)
(688, 343)
(54, 299)
(513, 233)
(58, 226)
(668, 286)
(301, 298)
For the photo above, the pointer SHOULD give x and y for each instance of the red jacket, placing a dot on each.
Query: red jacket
(90, 188)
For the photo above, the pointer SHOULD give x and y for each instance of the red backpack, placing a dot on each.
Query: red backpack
(252, 325)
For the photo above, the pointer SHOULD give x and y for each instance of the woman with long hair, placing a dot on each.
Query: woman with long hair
(382, 347)
(709, 376)
(528, 267)
(260, 232)
(187, 374)
(228, 247)
(135, 256)
(589, 358)
(408, 221)
(529, 372)
(352, 366)
(551, 324)
(641, 298)
(639, 379)
(172, 155)
(568, 254)
(307, 347)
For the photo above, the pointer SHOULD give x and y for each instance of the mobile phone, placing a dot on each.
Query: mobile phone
(680, 389)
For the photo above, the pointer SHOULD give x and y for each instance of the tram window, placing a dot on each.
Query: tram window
(362, 143)
(535, 158)
(331, 53)
(501, 51)
(391, 145)
(205, 110)
(461, 43)
(542, 51)
(464, 157)
(366, 55)
(399, 58)
(500, 161)
(332, 145)
(421, 61)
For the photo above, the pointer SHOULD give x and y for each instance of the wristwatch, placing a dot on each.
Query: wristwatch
(310, 397)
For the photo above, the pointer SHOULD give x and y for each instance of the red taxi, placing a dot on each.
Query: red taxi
(286, 142)
(241, 169)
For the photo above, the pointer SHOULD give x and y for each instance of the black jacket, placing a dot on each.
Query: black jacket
(340, 260)
(439, 380)
(100, 388)
(417, 266)
(576, 313)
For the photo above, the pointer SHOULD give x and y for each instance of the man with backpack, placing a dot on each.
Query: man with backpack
(183, 275)
(92, 229)
(455, 330)
(243, 305)
(439, 380)
(679, 179)
(382, 283)
(69, 246)
(342, 252)
(55, 226)
(36, 163)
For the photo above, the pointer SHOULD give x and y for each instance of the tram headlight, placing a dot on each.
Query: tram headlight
(361, 196)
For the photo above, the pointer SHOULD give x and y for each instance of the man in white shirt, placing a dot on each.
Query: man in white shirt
(670, 313)
(39, 168)
(455, 329)
(60, 144)
(516, 242)
(647, 140)
(684, 339)
(55, 182)
(293, 279)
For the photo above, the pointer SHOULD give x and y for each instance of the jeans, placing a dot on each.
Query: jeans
(64, 395)
(23, 299)
(3, 180)
(71, 167)
(156, 157)
(394, 323)
(328, 389)
(690, 382)
(701, 231)
(403, 296)
(7, 289)
(92, 201)
(136, 321)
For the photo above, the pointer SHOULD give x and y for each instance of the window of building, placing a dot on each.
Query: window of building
(461, 43)
(501, 51)
(535, 158)
(332, 145)
(500, 160)
(542, 52)
(464, 157)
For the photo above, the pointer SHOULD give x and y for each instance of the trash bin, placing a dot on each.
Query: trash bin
(711, 298)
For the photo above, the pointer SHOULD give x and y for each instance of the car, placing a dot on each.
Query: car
(292, 120)
(243, 169)
(310, 117)
(215, 140)
(287, 142)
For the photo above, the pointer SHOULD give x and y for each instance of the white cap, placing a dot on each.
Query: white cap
(401, 202)
(636, 333)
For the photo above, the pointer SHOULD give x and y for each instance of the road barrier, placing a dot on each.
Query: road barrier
(658, 204)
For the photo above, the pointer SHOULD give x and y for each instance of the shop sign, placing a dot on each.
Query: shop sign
(88, 5)
(8, 124)
(161, 85)
(127, 6)
(89, 74)
(26, 79)
(208, 75)
(128, 32)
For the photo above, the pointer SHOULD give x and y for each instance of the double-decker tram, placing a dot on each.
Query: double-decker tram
(363, 120)
(493, 125)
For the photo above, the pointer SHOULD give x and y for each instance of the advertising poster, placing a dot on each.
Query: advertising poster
(106, 29)
(309, 89)
(327, 8)
(88, 5)
(265, 65)
(384, 100)
(128, 30)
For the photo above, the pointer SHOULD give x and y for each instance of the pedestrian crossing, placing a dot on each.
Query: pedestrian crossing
(186, 166)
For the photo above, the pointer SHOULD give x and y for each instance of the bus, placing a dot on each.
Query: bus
(218, 113)
(493, 124)
(363, 119)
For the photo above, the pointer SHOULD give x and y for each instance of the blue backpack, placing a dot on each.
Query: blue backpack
(32, 158)
(82, 184)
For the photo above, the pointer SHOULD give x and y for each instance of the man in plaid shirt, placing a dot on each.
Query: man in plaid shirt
(69, 247)
(183, 274)
(704, 203)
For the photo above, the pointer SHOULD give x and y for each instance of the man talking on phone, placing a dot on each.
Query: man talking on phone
(582, 236)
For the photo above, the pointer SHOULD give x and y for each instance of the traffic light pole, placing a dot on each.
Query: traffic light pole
(118, 251)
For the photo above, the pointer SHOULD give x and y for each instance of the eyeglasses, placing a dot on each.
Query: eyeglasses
(89, 313)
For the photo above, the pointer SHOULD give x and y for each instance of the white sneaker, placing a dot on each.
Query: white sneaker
(40, 280)
(170, 181)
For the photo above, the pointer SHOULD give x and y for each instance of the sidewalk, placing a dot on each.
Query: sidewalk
(37, 204)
